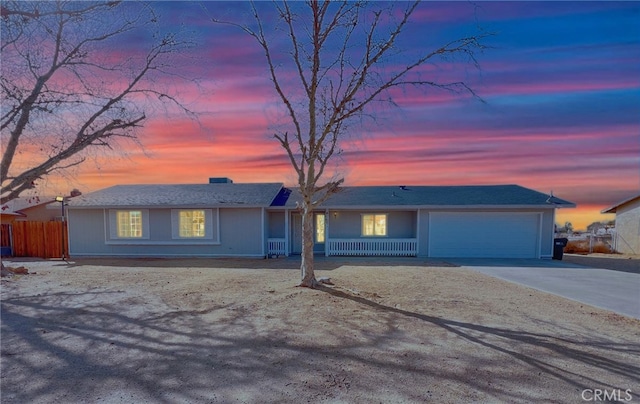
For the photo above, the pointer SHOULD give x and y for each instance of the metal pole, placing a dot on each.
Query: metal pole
(61, 200)
(62, 227)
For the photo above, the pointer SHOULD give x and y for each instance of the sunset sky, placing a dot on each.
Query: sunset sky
(561, 111)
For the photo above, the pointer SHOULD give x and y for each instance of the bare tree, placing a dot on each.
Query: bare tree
(345, 59)
(568, 227)
(72, 81)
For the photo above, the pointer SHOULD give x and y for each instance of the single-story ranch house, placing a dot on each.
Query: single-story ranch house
(226, 219)
(627, 236)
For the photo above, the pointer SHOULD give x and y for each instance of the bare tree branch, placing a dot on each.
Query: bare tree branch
(338, 52)
(62, 96)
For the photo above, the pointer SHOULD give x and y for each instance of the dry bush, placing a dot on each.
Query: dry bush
(577, 247)
(582, 247)
(602, 248)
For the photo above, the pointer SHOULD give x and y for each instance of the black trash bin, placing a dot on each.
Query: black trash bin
(558, 247)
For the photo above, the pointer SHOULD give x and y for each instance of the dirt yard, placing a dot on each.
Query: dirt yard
(227, 331)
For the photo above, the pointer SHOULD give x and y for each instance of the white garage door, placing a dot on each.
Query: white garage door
(484, 235)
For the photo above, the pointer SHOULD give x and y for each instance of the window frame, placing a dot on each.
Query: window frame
(114, 225)
(193, 229)
(129, 223)
(362, 225)
(211, 226)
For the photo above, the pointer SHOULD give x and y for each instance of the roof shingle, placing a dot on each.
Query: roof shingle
(181, 195)
(273, 194)
(476, 195)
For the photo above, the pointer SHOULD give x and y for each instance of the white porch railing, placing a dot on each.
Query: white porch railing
(276, 246)
(404, 247)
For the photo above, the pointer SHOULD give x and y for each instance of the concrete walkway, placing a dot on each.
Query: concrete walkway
(607, 289)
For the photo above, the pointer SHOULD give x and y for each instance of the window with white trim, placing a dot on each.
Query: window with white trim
(374, 225)
(191, 223)
(129, 224)
(196, 225)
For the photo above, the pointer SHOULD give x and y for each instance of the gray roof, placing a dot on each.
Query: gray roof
(181, 195)
(273, 194)
(438, 196)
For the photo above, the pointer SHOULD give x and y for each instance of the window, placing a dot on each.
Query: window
(129, 224)
(195, 226)
(374, 225)
(320, 228)
(192, 223)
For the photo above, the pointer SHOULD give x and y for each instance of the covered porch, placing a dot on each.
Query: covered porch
(345, 233)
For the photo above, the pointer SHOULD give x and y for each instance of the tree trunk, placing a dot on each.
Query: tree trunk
(306, 264)
(4, 271)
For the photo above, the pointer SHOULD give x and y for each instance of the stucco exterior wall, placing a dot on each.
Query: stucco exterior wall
(628, 228)
(241, 233)
(43, 213)
(87, 232)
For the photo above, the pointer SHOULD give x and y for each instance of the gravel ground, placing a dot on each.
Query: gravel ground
(223, 331)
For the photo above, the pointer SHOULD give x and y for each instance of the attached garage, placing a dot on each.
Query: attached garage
(485, 234)
(474, 221)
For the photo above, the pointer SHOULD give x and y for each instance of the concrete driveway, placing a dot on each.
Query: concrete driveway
(613, 290)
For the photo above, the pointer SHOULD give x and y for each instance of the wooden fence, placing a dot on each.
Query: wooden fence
(39, 239)
(5, 239)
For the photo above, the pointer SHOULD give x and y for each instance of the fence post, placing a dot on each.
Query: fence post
(6, 239)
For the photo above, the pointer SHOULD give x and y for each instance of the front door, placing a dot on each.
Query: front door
(296, 233)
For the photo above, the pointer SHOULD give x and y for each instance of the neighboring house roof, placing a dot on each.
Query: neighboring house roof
(16, 206)
(180, 195)
(17, 214)
(438, 196)
(615, 207)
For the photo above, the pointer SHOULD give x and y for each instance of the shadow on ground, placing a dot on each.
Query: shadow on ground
(293, 262)
(331, 263)
(73, 347)
(629, 264)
